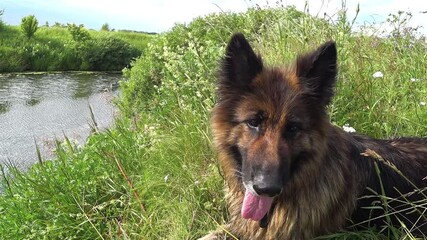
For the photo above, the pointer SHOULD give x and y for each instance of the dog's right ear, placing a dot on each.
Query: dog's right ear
(317, 72)
(240, 64)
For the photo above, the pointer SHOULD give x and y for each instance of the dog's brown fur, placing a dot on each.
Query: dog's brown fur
(273, 121)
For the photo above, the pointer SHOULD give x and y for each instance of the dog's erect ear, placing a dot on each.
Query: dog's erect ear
(240, 64)
(317, 71)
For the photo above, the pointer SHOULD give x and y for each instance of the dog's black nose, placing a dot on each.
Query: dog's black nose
(267, 190)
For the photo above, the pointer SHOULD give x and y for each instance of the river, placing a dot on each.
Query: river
(39, 108)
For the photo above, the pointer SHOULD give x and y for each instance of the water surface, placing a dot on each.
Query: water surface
(41, 107)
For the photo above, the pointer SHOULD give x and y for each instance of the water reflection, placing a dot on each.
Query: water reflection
(32, 102)
(4, 106)
(43, 107)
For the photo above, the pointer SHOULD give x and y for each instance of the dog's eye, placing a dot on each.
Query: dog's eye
(291, 129)
(254, 122)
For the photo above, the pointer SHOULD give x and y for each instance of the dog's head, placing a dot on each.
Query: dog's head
(269, 121)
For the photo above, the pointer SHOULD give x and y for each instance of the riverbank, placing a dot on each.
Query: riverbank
(55, 49)
(155, 174)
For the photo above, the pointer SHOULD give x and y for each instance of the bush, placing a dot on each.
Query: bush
(14, 61)
(108, 54)
(79, 33)
(70, 57)
(105, 27)
(183, 61)
(29, 26)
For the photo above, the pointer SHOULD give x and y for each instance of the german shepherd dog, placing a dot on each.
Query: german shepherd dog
(290, 173)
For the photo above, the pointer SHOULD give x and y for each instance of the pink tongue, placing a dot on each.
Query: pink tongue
(255, 207)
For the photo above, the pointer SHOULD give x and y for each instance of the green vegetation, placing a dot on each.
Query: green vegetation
(65, 48)
(79, 33)
(155, 176)
(105, 27)
(29, 26)
(1, 20)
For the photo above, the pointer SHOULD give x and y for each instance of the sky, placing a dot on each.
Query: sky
(161, 15)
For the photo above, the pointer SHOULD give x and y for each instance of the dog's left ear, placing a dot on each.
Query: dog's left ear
(317, 72)
(240, 65)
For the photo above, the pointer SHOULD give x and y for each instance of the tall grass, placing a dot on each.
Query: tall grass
(155, 176)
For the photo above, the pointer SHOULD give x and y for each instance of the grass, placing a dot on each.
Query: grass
(53, 49)
(155, 176)
(136, 39)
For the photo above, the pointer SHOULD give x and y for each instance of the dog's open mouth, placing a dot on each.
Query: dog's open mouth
(255, 207)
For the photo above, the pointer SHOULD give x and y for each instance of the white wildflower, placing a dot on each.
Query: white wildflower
(347, 128)
(422, 103)
(166, 178)
(198, 94)
(415, 79)
(378, 75)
